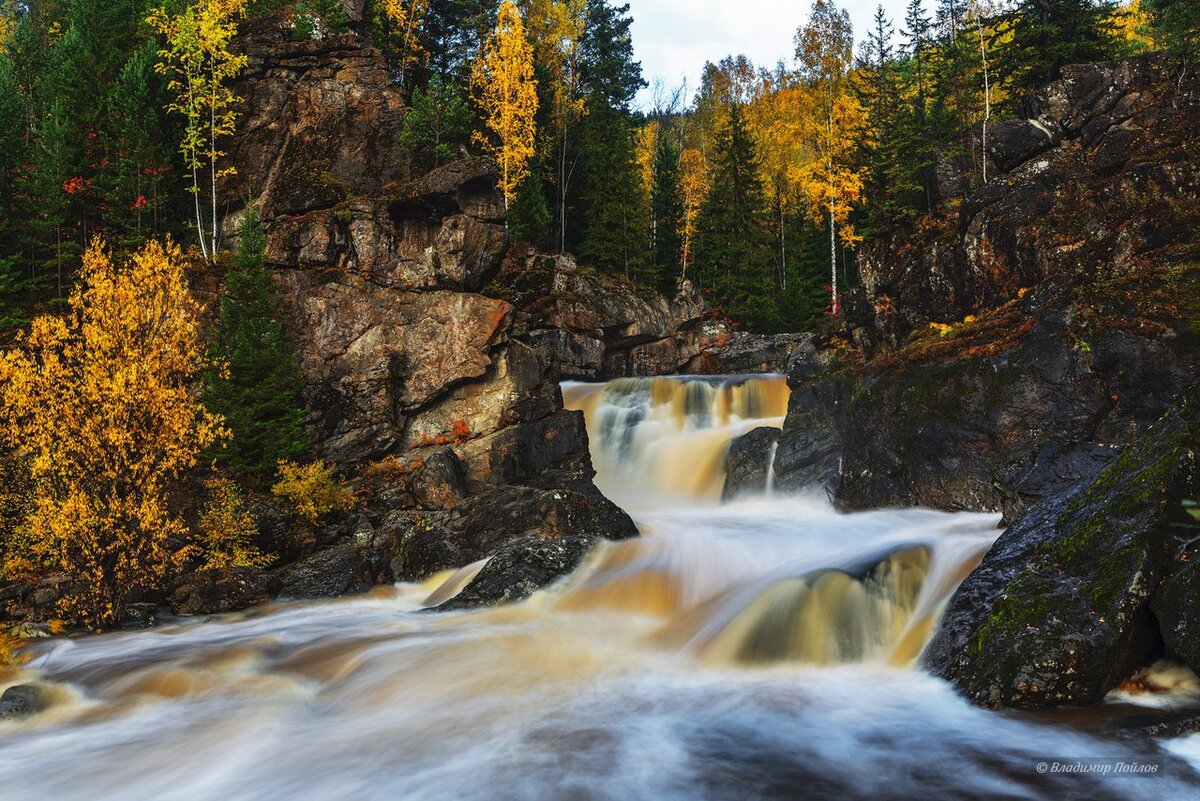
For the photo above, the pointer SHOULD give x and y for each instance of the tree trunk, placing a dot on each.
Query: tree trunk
(836, 308)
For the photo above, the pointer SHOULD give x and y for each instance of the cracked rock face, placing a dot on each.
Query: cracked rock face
(1099, 179)
(406, 345)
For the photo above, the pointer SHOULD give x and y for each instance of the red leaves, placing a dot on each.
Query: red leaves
(76, 185)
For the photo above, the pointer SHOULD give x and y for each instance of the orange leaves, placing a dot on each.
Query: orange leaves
(504, 88)
(311, 489)
(99, 402)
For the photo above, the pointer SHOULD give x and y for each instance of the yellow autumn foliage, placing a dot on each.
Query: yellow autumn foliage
(404, 19)
(311, 489)
(228, 530)
(101, 404)
(504, 88)
(11, 657)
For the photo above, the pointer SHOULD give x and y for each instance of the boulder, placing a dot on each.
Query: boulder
(438, 484)
(553, 529)
(1011, 144)
(748, 463)
(22, 701)
(521, 568)
(228, 589)
(341, 570)
(1059, 612)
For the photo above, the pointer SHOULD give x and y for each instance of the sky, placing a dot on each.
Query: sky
(673, 38)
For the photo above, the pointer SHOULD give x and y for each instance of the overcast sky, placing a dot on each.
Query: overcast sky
(673, 38)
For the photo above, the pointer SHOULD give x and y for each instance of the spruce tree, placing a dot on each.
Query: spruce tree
(733, 248)
(1047, 35)
(1177, 24)
(612, 234)
(666, 201)
(259, 395)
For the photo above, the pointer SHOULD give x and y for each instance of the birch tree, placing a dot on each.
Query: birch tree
(824, 52)
(504, 88)
(198, 60)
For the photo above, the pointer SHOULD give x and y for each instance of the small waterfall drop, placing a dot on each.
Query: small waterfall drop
(662, 441)
(782, 591)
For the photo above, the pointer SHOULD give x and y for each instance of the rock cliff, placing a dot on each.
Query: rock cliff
(425, 386)
(1052, 308)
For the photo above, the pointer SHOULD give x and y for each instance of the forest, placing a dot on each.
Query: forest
(757, 185)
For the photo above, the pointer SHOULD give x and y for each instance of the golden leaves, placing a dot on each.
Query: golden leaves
(228, 529)
(404, 18)
(504, 88)
(311, 489)
(100, 403)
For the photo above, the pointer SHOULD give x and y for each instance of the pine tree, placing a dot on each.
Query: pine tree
(915, 137)
(1050, 34)
(453, 33)
(666, 202)
(437, 122)
(878, 89)
(259, 391)
(733, 250)
(611, 213)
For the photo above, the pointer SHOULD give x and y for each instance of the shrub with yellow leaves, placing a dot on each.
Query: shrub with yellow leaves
(11, 657)
(312, 489)
(101, 404)
(228, 530)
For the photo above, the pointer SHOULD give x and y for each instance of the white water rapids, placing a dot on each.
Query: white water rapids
(762, 649)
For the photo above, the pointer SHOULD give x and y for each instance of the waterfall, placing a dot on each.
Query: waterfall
(662, 441)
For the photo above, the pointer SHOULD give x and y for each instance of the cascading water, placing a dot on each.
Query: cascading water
(758, 649)
(662, 441)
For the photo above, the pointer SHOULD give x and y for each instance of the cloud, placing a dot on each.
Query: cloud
(673, 38)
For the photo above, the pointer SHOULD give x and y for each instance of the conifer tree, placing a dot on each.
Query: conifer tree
(1050, 34)
(667, 212)
(256, 384)
(612, 210)
(733, 250)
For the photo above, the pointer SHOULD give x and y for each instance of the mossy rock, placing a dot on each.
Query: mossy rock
(1059, 610)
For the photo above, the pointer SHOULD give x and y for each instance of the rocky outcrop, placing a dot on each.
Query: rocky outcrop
(598, 326)
(993, 415)
(1099, 180)
(222, 590)
(1028, 328)
(1065, 604)
(426, 385)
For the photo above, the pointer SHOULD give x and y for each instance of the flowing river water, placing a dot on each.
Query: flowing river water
(760, 649)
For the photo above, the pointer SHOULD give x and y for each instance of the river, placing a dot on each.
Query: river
(765, 648)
